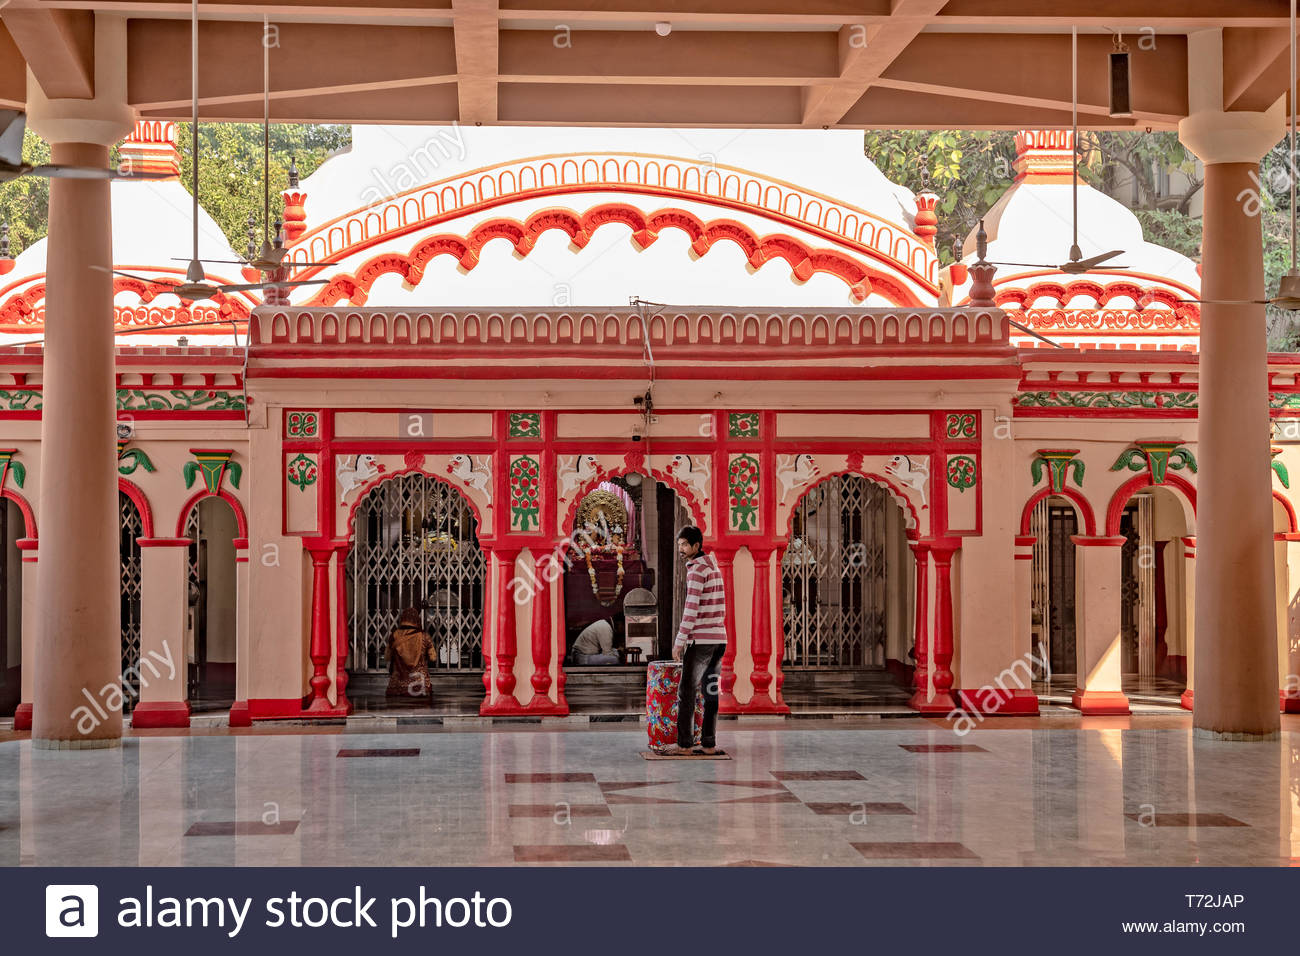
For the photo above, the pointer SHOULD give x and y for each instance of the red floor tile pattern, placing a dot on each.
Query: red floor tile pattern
(550, 778)
(817, 775)
(914, 851)
(1187, 820)
(241, 828)
(375, 752)
(519, 810)
(847, 809)
(943, 748)
(573, 853)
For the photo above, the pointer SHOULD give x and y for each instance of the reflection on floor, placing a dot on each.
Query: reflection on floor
(1130, 791)
(1162, 691)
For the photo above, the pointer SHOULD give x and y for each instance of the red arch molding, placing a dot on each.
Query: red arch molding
(1125, 491)
(896, 494)
(141, 502)
(29, 517)
(225, 496)
(374, 483)
(804, 259)
(696, 509)
(1290, 512)
(1080, 502)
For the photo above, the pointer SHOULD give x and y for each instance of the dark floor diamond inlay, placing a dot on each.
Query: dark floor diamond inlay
(550, 810)
(241, 828)
(914, 851)
(817, 775)
(584, 853)
(1186, 820)
(848, 809)
(380, 752)
(550, 778)
(943, 748)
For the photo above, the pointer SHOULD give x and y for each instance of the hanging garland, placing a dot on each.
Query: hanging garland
(591, 572)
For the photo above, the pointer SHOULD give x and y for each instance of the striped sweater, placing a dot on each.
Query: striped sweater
(703, 618)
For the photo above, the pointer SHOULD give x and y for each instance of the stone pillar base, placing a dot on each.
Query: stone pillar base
(940, 703)
(23, 717)
(992, 702)
(1099, 702)
(161, 713)
(240, 715)
(1201, 733)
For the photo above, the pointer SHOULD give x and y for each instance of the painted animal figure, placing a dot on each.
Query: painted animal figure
(794, 471)
(693, 473)
(913, 474)
(353, 474)
(576, 472)
(475, 474)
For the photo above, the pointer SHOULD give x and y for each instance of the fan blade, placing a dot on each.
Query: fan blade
(1096, 260)
(1224, 301)
(1026, 265)
(131, 275)
(249, 287)
(1028, 331)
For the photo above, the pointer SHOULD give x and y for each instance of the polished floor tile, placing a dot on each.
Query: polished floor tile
(1136, 793)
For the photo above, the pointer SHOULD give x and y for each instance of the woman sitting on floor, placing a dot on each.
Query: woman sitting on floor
(410, 650)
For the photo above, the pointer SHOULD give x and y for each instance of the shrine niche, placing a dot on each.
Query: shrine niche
(606, 557)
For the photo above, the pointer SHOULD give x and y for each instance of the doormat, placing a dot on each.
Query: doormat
(651, 755)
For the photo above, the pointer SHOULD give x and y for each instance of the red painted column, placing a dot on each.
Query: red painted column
(921, 676)
(320, 629)
(341, 619)
(504, 640)
(541, 637)
(561, 702)
(942, 550)
(778, 658)
(726, 691)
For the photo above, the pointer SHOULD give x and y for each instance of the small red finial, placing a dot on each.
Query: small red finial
(927, 220)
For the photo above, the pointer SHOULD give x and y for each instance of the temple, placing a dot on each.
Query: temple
(964, 488)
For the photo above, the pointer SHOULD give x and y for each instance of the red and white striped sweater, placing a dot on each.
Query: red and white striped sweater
(704, 616)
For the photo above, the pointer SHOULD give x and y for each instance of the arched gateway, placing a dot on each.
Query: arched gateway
(416, 545)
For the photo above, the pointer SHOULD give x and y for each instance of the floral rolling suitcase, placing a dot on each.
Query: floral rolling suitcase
(661, 688)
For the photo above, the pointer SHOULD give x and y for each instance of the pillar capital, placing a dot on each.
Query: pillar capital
(107, 117)
(1216, 136)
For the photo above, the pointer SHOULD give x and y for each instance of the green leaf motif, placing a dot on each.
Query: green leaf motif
(1077, 465)
(235, 471)
(1181, 458)
(132, 459)
(1036, 470)
(1282, 474)
(20, 472)
(190, 471)
(1134, 459)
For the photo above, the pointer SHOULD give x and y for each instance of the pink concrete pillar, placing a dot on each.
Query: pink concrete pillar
(78, 656)
(1097, 618)
(1236, 627)
(727, 703)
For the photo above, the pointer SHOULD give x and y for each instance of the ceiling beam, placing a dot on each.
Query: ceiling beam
(692, 57)
(477, 58)
(59, 47)
(13, 73)
(1256, 66)
(652, 105)
(885, 108)
(866, 52)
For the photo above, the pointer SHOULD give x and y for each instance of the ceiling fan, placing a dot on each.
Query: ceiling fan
(1076, 264)
(271, 257)
(195, 288)
(12, 125)
(1288, 286)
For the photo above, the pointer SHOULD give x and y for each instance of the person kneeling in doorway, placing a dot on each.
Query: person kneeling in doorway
(700, 643)
(595, 645)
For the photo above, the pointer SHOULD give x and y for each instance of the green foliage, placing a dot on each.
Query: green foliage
(1171, 229)
(25, 202)
(230, 168)
(230, 175)
(967, 169)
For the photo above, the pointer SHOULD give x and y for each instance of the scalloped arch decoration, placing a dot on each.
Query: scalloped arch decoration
(804, 260)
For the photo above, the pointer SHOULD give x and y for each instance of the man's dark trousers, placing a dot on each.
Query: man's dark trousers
(701, 667)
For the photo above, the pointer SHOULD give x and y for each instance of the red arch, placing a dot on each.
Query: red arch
(141, 502)
(684, 493)
(225, 496)
(374, 483)
(1080, 502)
(895, 492)
(29, 517)
(1290, 512)
(803, 259)
(1125, 491)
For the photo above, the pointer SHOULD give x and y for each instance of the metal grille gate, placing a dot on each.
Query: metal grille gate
(131, 529)
(834, 576)
(416, 545)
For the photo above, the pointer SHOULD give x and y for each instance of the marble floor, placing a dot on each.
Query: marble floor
(1018, 792)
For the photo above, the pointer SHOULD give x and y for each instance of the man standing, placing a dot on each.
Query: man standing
(701, 641)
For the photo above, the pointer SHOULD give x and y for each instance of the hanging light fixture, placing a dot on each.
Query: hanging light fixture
(1120, 79)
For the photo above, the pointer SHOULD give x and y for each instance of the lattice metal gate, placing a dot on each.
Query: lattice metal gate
(416, 545)
(834, 576)
(131, 529)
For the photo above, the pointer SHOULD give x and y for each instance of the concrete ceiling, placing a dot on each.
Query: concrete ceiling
(748, 63)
